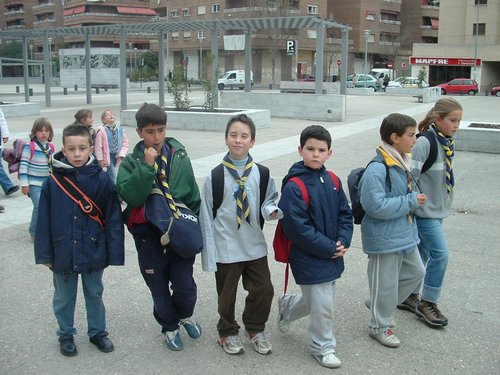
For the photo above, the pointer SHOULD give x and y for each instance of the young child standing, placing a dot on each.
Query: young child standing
(111, 144)
(388, 230)
(36, 162)
(85, 117)
(71, 242)
(234, 245)
(442, 122)
(156, 159)
(320, 236)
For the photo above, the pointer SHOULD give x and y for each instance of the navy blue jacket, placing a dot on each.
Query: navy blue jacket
(68, 238)
(315, 231)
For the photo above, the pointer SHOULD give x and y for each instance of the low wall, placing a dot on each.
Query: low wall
(477, 139)
(20, 109)
(318, 107)
(310, 87)
(202, 120)
(428, 94)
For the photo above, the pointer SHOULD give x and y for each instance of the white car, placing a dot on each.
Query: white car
(407, 82)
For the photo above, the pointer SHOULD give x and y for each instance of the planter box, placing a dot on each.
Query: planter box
(479, 139)
(203, 120)
(20, 109)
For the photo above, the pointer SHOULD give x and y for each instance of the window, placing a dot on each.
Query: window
(215, 8)
(185, 12)
(311, 34)
(175, 35)
(480, 2)
(174, 13)
(187, 34)
(312, 9)
(479, 29)
(202, 9)
(201, 34)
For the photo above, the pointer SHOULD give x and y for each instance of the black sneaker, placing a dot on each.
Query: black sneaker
(102, 342)
(67, 346)
(430, 313)
(410, 304)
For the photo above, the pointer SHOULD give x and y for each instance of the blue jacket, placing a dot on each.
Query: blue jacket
(387, 227)
(68, 238)
(315, 231)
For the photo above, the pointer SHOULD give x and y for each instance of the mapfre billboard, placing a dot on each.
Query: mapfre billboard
(444, 61)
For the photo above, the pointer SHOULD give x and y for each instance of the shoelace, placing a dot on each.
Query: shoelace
(260, 337)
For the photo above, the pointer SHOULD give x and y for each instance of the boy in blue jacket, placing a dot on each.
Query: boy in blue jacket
(320, 236)
(69, 242)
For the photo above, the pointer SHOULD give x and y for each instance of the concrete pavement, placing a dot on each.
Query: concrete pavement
(469, 345)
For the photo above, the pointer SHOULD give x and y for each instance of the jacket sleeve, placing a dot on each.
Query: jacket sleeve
(374, 199)
(209, 253)
(125, 145)
(298, 226)
(99, 144)
(344, 223)
(182, 182)
(269, 205)
(44, 251)
(134, 181)
(115, 235)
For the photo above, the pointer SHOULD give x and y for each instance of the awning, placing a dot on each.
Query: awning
(435, 23)
(75, 10)
(142, 11)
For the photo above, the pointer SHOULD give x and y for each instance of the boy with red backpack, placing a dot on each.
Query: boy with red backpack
(320, 233)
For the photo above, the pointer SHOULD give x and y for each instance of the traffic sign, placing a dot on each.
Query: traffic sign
(403, 65)
(389, 65)
(291, 47)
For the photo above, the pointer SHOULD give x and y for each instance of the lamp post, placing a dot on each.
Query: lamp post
(135, 57)
(50, 61)
(475, 42)
(201, 37)
(367, 34)
(30, 70)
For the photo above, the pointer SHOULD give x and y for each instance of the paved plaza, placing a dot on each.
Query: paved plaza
(470, 344)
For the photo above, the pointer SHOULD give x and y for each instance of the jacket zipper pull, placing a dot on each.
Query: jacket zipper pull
(321, 179)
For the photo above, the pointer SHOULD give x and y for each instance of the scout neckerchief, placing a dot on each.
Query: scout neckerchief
(47, 151)
(448, 145)
(242, 206)
(162, 180)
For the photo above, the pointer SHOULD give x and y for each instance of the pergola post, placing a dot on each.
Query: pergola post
(214, 47)
(248, 60)
(344, 60)
(88, 73)
(47, 73)
(26, 70)
(123, 69)
(320, 40)
(161, 68)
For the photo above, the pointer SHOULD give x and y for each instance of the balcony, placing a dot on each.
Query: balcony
(13, 13)
(393, 1)
(44, 22)
(44, 5)
(390, 22)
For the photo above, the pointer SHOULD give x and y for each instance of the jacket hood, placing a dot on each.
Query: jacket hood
(300, 170)
(61, 165)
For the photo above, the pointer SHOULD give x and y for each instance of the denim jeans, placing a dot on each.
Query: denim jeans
(5, 181)
(433, 250)
(111, 169)
(35, 197)
(65, 290)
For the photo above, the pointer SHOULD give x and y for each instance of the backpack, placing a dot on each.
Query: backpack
(353, 185)
(218, 188)
(431, 158)
(281, 244)
(13, 155)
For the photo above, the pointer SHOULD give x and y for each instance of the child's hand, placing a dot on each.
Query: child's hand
(25, 190)
(150, 155)
(421, 198)
(102, 164)
(341, 250)
(274, 215)
(119, 160)
(48, 265)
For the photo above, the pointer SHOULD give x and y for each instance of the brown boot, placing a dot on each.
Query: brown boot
(430, 313)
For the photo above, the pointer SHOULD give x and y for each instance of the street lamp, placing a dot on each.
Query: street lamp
(30, 66)
(367, 34)
(201, 37)
(135, 57)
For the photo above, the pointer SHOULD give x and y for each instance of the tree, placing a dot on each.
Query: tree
(13, 50)
(179, 88)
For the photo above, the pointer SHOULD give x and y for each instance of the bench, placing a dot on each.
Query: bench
(420, 98)
(299, 91)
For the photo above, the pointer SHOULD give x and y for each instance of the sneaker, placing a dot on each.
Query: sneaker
(387, 338)
(67, 346)
(2, 208)
(173, 340)
(430, 313)
(192, 327)
(261, 342)
(102, 342)
(329, 360)
(283, 325)
(231, 344)
(392, 321)
(410, 303)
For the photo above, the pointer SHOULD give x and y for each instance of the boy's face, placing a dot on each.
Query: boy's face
(239, 140)
(315, 153)
(153, 136)
(404, 144)
(77, 150)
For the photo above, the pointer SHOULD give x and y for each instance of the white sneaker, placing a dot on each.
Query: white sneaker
(329, 360)
(386, 338)
(231, 344)
(283, 325)
(261, 342)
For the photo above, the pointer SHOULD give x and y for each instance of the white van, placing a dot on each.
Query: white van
(233, 78)
(380, 73)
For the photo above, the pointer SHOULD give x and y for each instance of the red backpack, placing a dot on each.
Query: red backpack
(281, 244)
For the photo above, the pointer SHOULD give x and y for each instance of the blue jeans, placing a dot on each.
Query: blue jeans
(111, 169)
(35, 197)
(433, 250)
(65, 290)
(5, 181)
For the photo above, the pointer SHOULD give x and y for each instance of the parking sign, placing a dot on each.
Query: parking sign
(291, 47)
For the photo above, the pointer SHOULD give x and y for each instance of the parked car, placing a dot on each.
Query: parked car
(407, 82)
(307, 78)
(495, 91)
(459, 86)
(371, 81)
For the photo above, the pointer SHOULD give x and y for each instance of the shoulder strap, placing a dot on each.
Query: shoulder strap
(431, 158)
(217, 188)
(335, 180)
(32, 149)
(387, 177)
(87, 205)
(264, 181)
(302, 188)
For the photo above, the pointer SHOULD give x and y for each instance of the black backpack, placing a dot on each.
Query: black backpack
(431, 158)
(218, 187)
(353, 185)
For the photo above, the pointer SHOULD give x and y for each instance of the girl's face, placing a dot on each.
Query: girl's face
(108, 118)
(87, 121)
(448, 125)
(43, 134)
(404, 143)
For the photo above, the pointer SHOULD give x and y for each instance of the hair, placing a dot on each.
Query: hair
(395, 123)
(104, 114)
(150, 114)
(76, 130)
(243, 119)
(442, 108)
(316, 132)
(38, 125)
(82, 114)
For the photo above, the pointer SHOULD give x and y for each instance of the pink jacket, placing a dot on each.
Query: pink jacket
(101, 148)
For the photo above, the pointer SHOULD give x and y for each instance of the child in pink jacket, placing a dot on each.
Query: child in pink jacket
(111, 144)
